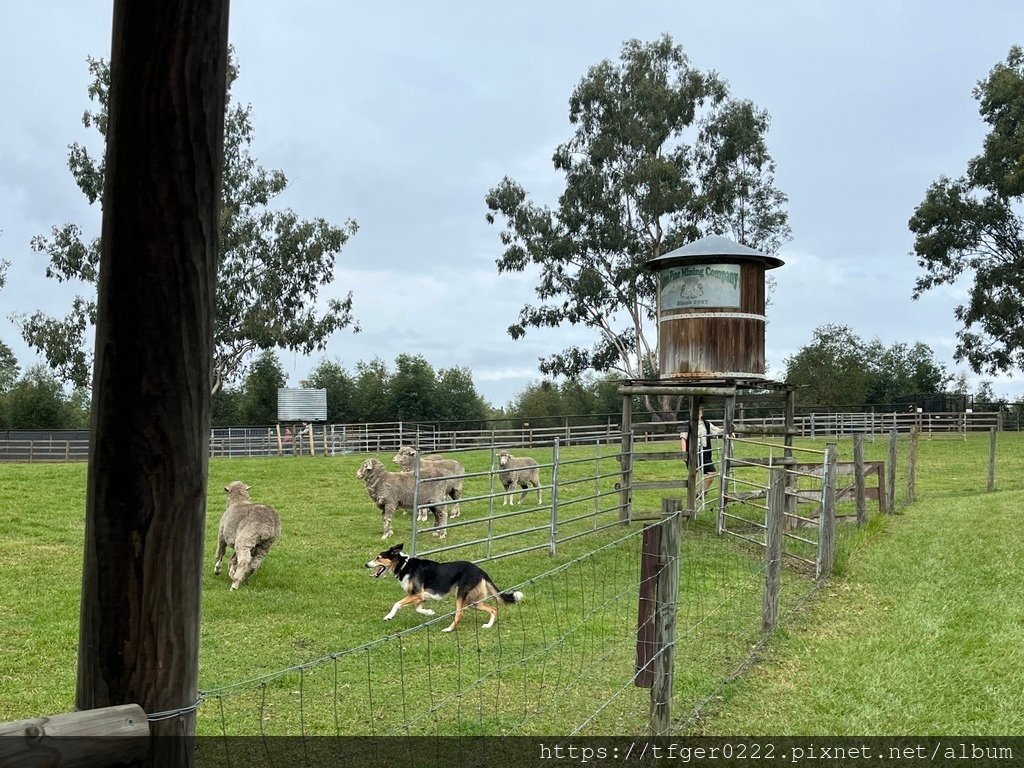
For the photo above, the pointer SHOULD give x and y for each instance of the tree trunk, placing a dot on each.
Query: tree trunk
(146, 495)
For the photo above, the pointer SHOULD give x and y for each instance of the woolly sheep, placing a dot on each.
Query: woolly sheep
(449, 470)
(518, 472)
(249, 529)
(394, 490)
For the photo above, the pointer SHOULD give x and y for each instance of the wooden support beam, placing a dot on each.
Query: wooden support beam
(627, 389)
(94, 738)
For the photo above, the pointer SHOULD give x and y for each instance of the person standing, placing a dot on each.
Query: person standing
(705, 429)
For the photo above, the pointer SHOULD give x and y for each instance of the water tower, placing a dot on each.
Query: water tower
(711, 310)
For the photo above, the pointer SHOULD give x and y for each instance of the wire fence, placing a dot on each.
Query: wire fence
(567, 660)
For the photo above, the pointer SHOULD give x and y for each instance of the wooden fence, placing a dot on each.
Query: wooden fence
(335, 439)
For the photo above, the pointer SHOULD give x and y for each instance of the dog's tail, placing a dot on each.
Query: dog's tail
(507, 597)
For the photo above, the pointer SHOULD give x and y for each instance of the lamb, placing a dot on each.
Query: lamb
(249, 529)
(393, 490)
(449, 470)
(518, 472)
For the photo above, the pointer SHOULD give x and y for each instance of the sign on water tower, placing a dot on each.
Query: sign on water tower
(301, 404)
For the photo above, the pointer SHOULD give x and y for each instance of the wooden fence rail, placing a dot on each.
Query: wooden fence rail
(337, 439)
(93, 738)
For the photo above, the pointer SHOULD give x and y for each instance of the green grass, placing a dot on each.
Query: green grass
(920, 632)
(562, 660)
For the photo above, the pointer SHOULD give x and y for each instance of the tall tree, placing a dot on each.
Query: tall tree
(37, 401)
(340, 388)
(831, 369)
(660, 156)
(259, 395)
(413, 389)
(539, 401)
(8, 362)
(457, 398)
(902, 370)
(839, 368)
(271, 267)
(372, 399)
(972, 227)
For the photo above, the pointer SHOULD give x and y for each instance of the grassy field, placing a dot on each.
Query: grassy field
(301, 648)
(920, 632)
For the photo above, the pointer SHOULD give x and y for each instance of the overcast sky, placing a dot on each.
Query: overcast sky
(402, 116)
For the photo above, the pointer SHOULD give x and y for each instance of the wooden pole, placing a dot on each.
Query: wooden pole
(915, 431)
(991, 459)
(890, 470)
(626, 455)
(665, 627)
(858, 479)
(725, 470)
(645, 639)
(791, 479)
(553, 526)
(827, 519)
(693, 454)
(773, 548)
(146, 490)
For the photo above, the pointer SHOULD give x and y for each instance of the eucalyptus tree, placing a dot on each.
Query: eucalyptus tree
(272, 265)
(661, 155)
(971, 228)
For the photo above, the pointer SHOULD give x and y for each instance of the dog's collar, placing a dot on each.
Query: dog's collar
(403, 560)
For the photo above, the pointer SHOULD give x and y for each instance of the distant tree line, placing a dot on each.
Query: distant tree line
(836, 369)
(839, 369)
(411, 391)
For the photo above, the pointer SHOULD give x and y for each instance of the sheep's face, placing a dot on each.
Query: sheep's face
(237, 490)
(388, 560)
(367, 469)
(503, 459)
(405, 457)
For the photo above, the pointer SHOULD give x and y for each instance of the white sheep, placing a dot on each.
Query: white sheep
(518, 472)
(451, 471)
(249, 529)
(394, 490)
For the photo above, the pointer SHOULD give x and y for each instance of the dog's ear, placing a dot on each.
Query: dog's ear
(397, 548)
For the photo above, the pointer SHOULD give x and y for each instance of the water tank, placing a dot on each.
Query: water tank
(711, 302)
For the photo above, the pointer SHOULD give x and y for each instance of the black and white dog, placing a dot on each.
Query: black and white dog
(422, 579)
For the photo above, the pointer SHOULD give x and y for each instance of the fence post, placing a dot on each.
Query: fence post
(773, 548)
(415, 512)
(625, 459)
(727, 449)
(728, 418)
(890, 471)
(859, 484)
(827, 518)
(912, 465)
(667, 592)
(645, 639)
(553, 536)
(992, 459)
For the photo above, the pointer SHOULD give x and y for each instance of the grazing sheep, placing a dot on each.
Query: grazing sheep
(393, 490)
(449, 470)
(249, 529)
(518, 472)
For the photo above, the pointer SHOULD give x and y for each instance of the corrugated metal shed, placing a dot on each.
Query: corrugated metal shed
(301, 404)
